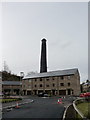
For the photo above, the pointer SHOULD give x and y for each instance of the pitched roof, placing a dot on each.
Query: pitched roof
(52, 73)
(11, 83)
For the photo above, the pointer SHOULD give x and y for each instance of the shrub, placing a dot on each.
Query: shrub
(10, 100)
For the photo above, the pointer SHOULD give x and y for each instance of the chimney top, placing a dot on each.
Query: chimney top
(43, 39)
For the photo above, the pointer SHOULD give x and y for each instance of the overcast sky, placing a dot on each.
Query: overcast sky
(64, 25)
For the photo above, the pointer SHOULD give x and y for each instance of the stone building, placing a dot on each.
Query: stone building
(10, 84)
(11, 87)
(86, 87)
(61, 82)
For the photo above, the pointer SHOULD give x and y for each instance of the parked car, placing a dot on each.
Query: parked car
(85, 94)
(40, 94)
(43, 94)
(82, 95)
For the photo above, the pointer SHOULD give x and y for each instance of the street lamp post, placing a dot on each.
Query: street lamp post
(21, 76)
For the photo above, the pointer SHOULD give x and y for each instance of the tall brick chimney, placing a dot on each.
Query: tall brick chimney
(43, 62)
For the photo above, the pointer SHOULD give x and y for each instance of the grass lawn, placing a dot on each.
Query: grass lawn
(84, 108)
(7, 100)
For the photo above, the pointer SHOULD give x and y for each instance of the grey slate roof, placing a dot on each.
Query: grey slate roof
(52, 73)
(11, 83)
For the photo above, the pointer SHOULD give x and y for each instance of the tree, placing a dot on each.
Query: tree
(87, 81)
(32, 72)
(6, 68)
(9, 77)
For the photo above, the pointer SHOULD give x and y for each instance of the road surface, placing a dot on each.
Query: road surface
(40, 108)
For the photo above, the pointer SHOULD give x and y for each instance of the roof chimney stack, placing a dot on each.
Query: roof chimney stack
(43, 62)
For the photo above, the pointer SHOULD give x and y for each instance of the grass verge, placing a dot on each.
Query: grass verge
(84, 108)
(9, 100)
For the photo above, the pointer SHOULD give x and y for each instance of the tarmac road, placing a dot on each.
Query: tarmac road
(40, 108)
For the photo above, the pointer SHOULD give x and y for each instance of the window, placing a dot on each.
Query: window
(35, 85)
(35, 80)
(68, 77)
(72, 92)
(68, 84)
(53, 78)
(29, 80)
(62, 77)
(47, 79)
(53, 85)
(40, 85)
(29, 86)
(62, 84)
(47, 85)
(40, 79)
